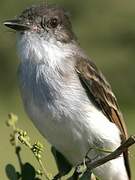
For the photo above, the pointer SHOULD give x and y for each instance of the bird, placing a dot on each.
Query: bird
(65, 94)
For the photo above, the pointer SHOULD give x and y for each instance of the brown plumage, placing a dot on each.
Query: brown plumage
(99, 90)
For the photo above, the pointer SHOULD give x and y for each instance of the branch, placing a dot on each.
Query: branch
(123, 147)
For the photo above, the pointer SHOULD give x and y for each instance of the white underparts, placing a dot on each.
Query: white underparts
(59, 107)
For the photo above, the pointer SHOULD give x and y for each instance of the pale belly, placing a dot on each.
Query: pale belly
(68, 137)
(74, 135)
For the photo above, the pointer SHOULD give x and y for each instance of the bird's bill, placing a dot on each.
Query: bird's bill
(16, 25)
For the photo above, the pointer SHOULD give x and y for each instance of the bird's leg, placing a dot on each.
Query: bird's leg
(76, 173)
(80, 170)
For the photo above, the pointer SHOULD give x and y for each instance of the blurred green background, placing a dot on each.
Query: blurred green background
(106, 30)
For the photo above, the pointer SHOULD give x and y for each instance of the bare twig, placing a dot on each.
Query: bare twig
(129, 142)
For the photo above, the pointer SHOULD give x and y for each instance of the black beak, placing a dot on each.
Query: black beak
(16, 24)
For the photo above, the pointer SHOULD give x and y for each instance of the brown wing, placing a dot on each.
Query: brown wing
(99, 90)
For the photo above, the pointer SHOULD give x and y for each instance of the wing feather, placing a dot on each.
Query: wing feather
(99, 90)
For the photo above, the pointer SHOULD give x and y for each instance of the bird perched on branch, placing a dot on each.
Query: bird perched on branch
(65, 94)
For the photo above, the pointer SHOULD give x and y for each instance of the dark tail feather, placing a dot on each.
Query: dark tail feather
(126, 161)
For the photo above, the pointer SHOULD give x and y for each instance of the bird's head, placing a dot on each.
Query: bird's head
(48, 22)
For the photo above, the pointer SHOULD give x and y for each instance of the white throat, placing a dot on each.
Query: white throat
(32, 47)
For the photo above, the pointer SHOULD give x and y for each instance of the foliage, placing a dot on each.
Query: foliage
(36, 148)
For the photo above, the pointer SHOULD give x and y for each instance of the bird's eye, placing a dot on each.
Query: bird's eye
(53, 23)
